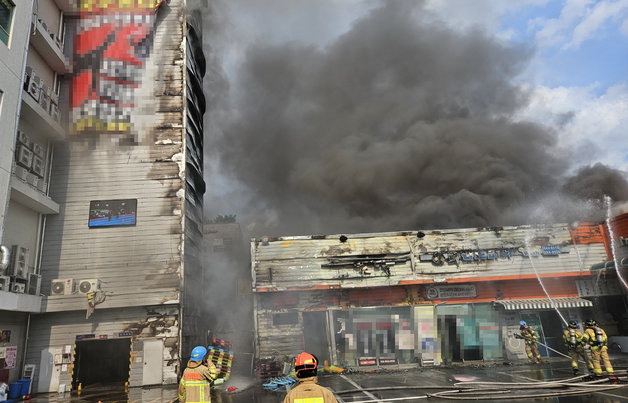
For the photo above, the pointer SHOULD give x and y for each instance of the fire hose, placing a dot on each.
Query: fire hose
(551, 349)
(494, 391)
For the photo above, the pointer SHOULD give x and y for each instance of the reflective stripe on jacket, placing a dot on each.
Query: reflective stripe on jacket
(529, 334)
(309, 391)
(195, 383)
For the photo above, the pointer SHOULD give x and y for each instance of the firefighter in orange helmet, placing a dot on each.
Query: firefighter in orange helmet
(308, 390)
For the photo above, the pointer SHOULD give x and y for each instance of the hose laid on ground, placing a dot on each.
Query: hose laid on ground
(466, 391)
(449, 394)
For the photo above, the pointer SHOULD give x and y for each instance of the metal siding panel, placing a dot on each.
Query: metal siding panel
(60, 329)
(294, 263)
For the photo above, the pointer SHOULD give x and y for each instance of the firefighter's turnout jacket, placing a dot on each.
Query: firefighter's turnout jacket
(596, 338)
(529, 334)
(532, 351)
(574, 341)
(196, 382)
(309, 391)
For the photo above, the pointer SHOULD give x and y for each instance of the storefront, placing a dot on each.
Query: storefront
(420, 298)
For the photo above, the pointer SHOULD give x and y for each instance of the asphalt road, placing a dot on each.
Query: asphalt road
(398, 386)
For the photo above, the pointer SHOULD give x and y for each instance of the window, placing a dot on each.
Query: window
(6, 15)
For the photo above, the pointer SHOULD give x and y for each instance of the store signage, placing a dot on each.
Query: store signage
(125, 334)
(451, 291)
(387, 361)
(85, 336)
(467, 256)
(367, 362)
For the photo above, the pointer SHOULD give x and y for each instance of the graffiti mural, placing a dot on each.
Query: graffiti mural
(111, 44)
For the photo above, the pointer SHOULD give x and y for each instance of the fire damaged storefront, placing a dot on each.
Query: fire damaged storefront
(426, 297)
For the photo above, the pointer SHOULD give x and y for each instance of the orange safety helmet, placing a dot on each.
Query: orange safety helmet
(305, 361)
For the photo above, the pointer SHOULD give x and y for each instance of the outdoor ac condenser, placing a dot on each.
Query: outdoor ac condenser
(18, 288)
(19, 261)
(24, 156)
(5, 283)
(63, 287)
(34, 284)
(89, 285)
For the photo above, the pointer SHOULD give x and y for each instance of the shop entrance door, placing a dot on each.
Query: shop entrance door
(315, 331)
(450, 339)
(101, 362)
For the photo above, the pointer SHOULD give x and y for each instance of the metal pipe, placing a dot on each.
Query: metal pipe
(6, 254)
(28, 327)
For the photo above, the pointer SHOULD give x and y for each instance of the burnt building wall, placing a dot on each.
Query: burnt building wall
(131, 139)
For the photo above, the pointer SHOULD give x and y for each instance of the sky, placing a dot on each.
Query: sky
(344, 116)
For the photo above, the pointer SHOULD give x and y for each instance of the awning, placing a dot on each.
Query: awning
(543, 303)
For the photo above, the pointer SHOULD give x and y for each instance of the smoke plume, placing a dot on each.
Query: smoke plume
(399, 123)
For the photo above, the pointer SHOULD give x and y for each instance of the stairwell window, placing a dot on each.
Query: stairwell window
(6, 18)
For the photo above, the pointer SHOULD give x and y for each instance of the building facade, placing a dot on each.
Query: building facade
(426, 297)
(125, 233)
(32, 68)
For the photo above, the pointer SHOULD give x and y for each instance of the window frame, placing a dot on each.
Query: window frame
(7, 31)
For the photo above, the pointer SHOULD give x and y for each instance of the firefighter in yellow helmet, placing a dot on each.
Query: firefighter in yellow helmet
(197, 378)
(530, 336)
(308, 390)
(596, 338)
(575, 345)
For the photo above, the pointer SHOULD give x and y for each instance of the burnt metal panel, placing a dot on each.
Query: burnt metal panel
(369, 260)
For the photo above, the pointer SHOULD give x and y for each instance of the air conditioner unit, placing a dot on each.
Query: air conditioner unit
(20, 173)
(89, 285)
(44, 98)
(18, 288)
(54, 112)
(23, 138)
(5, 283)
(19, 261)
(38, 149)
(41, 186)
(34, 87)
(34, 284)
(33, 179)
(24, 156)
(63, 287)
(38, 166)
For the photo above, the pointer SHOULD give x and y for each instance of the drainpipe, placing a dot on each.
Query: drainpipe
(28, 328)
(4, 261)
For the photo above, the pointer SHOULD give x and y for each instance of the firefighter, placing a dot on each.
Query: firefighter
(596, 338)
(308, 390)
(530, 337)
(575, 345)
(197, 378)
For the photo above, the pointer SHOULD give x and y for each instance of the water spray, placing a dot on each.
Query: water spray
(609, 201)
(527, 242)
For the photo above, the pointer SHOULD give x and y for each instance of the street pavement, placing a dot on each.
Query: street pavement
(393, 385)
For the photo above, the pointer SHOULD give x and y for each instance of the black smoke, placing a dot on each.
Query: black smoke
(400, 123)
